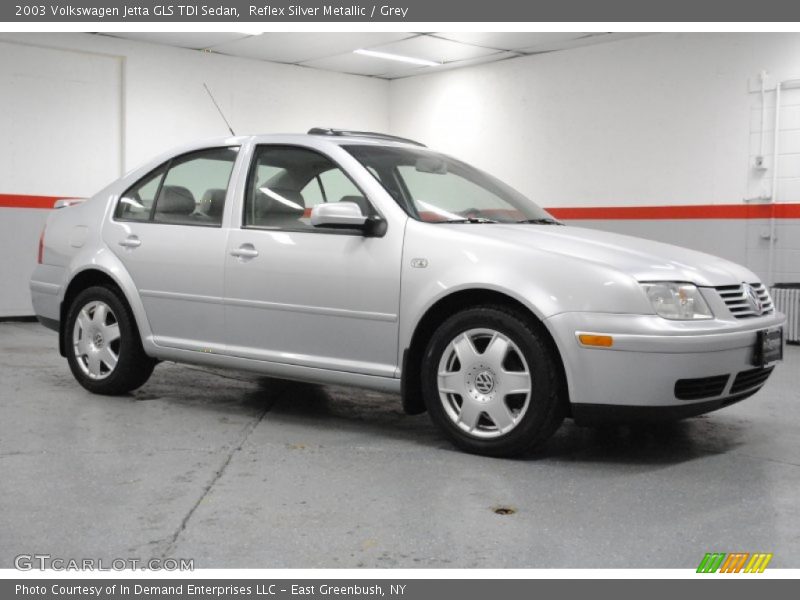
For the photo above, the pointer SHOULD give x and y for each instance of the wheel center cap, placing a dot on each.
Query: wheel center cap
(484, 382)
(98, 340)
(481, 383)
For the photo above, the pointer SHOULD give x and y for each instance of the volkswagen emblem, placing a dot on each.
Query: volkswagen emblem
(751, 297)
(484, 382)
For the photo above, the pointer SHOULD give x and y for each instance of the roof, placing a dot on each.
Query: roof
(362, 134)
(334, 136)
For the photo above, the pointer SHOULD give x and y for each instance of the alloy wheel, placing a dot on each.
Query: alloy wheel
(96, 340)
(484, 383)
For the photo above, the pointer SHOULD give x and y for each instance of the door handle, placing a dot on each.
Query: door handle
(130, 242)
(245, 251)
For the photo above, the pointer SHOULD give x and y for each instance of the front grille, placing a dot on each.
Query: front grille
(750, 379)
(737, 302)
(704, 387)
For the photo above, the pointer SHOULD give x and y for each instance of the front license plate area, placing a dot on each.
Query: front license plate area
(769, 347)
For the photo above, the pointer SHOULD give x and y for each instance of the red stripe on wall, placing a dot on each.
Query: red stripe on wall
(23, 201)
(695, 211)
(588, 213)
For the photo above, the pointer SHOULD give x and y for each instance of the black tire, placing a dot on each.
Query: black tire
(133, 367)
(547, 406)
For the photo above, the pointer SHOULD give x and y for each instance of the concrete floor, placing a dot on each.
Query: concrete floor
(237, 471)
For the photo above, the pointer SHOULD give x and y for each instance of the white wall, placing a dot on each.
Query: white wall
(165, 104)
(61, 124)
(667, 119)
(61, 118)
(78, 110)
(657, 119)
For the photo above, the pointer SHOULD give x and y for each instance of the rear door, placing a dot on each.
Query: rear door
(167, 231)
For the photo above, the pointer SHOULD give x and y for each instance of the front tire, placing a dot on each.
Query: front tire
(104, 350)
(492, 383)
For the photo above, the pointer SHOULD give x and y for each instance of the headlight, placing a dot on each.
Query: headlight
(677, 301)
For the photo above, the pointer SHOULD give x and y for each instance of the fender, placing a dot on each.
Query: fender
(413, 322)
(107, 263)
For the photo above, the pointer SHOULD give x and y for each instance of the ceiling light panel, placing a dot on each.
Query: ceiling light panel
(508, 40)
(357, 64)
(433, 49)
(397, 58)
(300, 47)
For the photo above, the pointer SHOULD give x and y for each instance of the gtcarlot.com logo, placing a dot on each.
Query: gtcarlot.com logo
(736, 562)
(45, 562)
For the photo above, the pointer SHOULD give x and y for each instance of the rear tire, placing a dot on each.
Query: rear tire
(102, 343)
(492, 383)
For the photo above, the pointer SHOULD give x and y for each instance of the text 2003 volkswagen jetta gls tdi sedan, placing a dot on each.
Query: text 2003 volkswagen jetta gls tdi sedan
(366, 260)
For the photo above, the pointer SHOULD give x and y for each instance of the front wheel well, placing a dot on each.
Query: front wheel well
(84, 279)
(411, 382)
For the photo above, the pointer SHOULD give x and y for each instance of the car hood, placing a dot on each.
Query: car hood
(645, 260)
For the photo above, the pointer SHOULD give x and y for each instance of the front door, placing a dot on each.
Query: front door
(302, 295)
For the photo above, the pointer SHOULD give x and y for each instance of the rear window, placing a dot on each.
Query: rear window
(186, 190)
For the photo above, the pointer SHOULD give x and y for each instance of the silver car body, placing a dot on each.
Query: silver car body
(343, 309)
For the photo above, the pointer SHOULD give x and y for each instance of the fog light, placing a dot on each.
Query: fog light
(600, 341)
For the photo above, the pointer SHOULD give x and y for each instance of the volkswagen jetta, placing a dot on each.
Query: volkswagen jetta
(368, 260)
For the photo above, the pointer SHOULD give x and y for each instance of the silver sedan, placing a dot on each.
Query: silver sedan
(367, 260)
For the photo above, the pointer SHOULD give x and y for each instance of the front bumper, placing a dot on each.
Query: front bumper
(635, 379)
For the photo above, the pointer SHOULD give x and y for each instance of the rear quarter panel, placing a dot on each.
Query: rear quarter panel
(73, 244)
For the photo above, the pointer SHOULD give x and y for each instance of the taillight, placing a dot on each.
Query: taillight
(40, 256)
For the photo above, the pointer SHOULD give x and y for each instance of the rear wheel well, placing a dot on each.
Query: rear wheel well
(413, 402)
(82, 280)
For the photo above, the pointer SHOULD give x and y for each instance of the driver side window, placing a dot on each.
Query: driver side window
(286, 182)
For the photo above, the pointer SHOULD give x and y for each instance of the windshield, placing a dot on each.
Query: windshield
(435, 188)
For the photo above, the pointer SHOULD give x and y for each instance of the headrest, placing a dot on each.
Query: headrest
(282, 201)
(213, 202)
(175, 200)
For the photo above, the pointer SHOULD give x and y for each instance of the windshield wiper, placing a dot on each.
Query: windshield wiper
(543, 221)
(471, 220)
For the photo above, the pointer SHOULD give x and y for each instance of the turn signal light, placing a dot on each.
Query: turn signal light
(601, 341)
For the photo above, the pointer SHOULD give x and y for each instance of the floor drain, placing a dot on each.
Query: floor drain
(504, 510)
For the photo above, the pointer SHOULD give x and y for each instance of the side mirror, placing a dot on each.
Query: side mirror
(342, 215)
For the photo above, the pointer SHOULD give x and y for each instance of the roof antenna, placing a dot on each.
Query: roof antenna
(219, 109)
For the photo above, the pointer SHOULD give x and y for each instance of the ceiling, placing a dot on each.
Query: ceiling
(334, 51)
